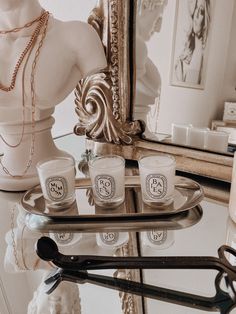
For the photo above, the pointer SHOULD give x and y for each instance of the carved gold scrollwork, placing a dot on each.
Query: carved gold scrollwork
(100, 98)
(96, 119)
(96, 20)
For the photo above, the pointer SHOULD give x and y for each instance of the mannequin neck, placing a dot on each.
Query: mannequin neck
(18, 13)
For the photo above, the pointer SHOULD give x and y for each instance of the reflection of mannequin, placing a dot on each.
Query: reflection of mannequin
(148, 84)
(65, 299)
(21, 256)
(70, 51)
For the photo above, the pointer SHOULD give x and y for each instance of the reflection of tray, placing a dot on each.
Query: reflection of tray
(182, 213)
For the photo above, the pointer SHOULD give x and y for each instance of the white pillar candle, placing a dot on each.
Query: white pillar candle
(180, 133)
(217, 141)
(232, 198)
(196, 137)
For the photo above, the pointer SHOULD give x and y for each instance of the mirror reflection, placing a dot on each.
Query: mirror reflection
(23, 273)
(185, 75)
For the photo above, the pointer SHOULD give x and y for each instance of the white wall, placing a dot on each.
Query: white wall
(229, 92)
(184, 105)
(65, 115)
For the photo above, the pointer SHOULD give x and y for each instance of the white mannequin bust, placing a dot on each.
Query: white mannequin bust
(148, 83)
(70, 51)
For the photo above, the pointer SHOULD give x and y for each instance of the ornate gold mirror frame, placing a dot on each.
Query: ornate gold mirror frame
(104, 102)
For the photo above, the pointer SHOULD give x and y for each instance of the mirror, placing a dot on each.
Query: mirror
(106, 105)
(104, 101)
(185, 74)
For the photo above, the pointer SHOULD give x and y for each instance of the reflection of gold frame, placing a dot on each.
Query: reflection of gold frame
(104, 101)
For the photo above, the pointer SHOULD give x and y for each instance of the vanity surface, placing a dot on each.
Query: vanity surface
(201, 237)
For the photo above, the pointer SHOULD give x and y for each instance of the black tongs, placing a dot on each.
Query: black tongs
(74, 268)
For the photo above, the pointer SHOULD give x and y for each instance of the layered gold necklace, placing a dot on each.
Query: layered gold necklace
(41, 28)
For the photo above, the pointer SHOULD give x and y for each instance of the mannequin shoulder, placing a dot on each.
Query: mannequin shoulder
(84, 44)
(72, 30)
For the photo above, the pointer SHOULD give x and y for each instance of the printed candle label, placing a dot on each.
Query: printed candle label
(105, 186)
(56, 188)
(157, 237)
(109, 237)
(63, 238)
(156, 186)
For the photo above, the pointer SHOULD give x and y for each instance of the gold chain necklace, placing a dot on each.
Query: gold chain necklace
(22, 56)
(44, 25)
(31, 46)
(17, 29)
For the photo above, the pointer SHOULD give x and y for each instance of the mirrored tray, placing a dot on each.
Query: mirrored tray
(84, 216)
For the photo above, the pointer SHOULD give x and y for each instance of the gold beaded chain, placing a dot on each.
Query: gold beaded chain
(13, 237)
(43, 24)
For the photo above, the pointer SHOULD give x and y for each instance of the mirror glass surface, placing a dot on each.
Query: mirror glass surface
(184, 76)
(213, 229)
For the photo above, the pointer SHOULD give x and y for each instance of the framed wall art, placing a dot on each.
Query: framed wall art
(190, 49)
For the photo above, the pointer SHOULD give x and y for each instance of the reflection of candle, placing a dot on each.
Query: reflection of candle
(65, 238)
(217, 141)
(232, 198)
(112, 239)
(158, 239)
(196, 137)
(180, 133)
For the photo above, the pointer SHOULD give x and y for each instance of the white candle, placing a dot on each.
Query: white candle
(217, 141)
(57, 179)
(157, 174)
(180, 133)
(196, 137)
(232, 198)
(107, 175)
